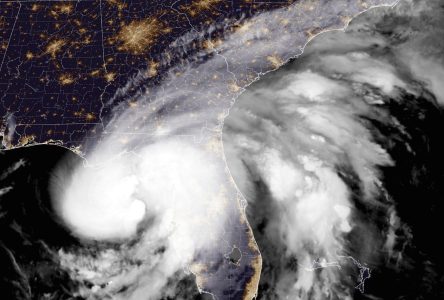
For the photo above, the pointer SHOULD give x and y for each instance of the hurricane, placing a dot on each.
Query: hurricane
(293, 154)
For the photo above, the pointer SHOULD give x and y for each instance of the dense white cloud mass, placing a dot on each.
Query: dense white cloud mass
(155, 191)
(168, 198)
(156, 180)
(111, 196)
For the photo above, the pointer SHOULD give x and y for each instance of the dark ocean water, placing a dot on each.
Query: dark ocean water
(30, 231)
(416, 185)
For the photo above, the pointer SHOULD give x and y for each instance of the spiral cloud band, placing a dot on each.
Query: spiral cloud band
(304, 145)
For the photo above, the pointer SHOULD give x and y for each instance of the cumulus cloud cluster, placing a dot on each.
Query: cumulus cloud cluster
(291, 135)
(303, 148)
